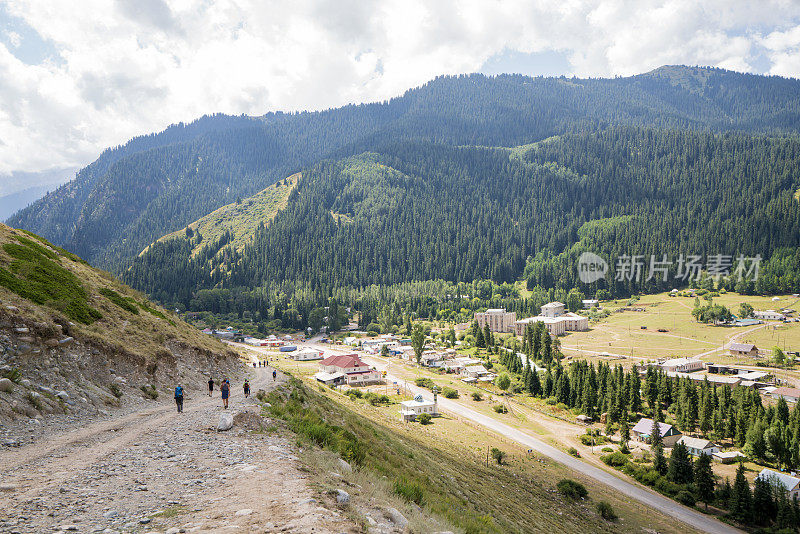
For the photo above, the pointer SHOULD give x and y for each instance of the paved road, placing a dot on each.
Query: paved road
(650, 498)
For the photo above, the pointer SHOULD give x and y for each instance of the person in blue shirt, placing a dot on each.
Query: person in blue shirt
(225, 390)
(179, 397)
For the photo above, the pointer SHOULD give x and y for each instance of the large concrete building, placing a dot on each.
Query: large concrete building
(498, 319)
(555, 320)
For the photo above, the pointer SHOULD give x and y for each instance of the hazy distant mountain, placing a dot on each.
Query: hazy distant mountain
(156, 184)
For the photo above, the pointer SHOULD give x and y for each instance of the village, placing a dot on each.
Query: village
(408, 383)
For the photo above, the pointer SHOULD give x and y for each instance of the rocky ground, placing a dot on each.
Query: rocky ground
(157, 470)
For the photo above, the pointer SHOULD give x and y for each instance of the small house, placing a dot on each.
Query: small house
(789, 483)
(475, 371)
(583, 419)
(330, 379)
(727, 457)
(698, 446)
(743, 349)
(410, 409)
(682, 365)
(307, 354)
(769, 315)
(669, 434)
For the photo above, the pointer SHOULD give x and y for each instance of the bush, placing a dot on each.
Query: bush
(685, 497)
(572, 451)
(450, 393)
(476, 396)
(357, 393)
(424, 382)
(408, 490)
(616, 459)
(607, 449)
(500, 408)
(150, 391)
(498, 455)
(120, 301)
(115, 390)
(551, 401)
(571, 489)
(374, 328)
(424, 418)
(606, 511)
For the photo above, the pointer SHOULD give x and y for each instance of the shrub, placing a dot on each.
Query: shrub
(562, 406)
(607, 449)
(476, 396)
(424, 418)
(500, 408)
(571, 489)
(408, 490)
(115, 390)
(150, 391)
(374, 328)
(572, 451)
(685, 497)
(424, 382)
(551, 401)
(120, 301)
(498, 455)
(615, 459)
(606, 511)
(450, 393)
(357, 393)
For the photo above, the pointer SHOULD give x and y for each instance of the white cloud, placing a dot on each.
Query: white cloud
(130, 67)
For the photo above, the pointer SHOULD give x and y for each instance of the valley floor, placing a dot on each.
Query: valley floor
(157, 470)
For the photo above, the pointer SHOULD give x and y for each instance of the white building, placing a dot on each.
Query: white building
(789, 483)
(555, 320)
(769, 315)
(498, 319)
(475, 371)
(682, 365)
(307, 354)
(788, 394)
(697, 446)
(410, 409)
(553, 309)
(590, 303)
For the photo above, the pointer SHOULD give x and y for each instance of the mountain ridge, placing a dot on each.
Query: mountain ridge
(157, 184)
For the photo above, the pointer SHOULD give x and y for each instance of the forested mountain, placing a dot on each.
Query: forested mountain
(156, 184)
(421, 211)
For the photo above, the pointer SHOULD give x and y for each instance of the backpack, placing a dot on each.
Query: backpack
(179, 391)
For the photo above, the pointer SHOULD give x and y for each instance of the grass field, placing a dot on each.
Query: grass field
(622, 333)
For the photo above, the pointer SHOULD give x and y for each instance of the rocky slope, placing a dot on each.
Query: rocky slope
(75, 342)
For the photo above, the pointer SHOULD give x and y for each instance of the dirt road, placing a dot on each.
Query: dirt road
(157, 470)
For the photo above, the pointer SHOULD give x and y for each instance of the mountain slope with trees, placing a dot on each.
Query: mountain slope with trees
(157, 184)
(418, 212)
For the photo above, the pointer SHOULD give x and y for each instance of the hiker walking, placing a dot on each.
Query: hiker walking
(179, 397)
(210, 385)
(274, 374)
(246, 388)
(225, 389)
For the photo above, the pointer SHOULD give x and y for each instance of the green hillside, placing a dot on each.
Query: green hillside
(237, 222)
(61, 293)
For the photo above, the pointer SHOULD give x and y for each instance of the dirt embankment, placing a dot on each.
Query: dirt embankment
(50, 374)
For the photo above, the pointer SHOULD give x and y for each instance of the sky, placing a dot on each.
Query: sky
(78, 77)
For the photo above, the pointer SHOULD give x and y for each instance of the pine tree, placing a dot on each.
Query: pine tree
(659, 461)
(741, 498)
(680, 465)
(763, 505)
(704, 479)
